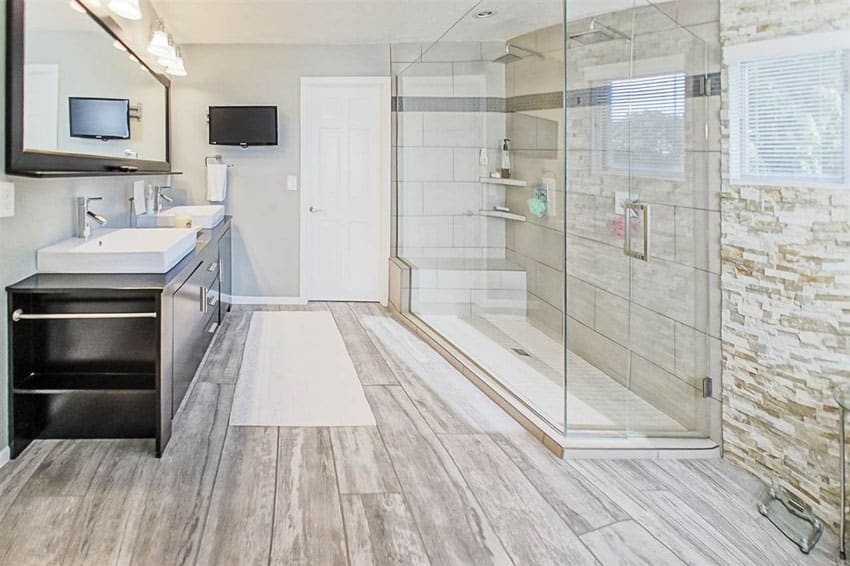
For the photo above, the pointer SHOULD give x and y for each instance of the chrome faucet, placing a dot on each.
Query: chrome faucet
(84, 216)
(159, 196)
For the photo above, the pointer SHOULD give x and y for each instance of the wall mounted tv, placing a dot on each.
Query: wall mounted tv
(243, 125)
(99, 118)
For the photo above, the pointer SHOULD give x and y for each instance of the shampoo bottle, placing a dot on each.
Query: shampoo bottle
(506, 159)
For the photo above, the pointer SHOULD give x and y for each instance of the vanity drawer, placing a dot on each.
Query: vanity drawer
(191, 312)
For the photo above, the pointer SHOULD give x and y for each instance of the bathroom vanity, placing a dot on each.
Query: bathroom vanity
(113, 355)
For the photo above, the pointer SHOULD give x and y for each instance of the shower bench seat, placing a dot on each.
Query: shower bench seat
(464, 286)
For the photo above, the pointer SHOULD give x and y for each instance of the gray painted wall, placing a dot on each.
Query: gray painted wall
(266, 216)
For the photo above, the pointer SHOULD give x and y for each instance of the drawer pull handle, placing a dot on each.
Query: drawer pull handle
(213, 327)
(213, 266)
(19, 315)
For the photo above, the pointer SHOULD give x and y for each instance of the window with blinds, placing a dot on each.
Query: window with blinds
(789, 120)
(640, 126)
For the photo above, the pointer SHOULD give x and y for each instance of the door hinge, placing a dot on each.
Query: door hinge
(707, 387)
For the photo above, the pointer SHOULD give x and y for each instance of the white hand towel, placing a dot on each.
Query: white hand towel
(216, 182)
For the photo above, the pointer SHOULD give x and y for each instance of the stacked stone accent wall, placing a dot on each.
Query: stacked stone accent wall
(786, 295)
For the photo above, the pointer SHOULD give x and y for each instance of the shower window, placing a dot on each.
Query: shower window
(803, 94)
(641, 128)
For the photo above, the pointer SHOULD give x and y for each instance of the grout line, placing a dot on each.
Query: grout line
(217, 466)
(469, 487)
(401, 489)
(274, 501)
(339, 496)
(635, 496)
(443, 464)
(384, 442)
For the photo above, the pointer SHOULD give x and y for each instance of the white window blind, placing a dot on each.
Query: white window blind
(788, 119)
(640, 126)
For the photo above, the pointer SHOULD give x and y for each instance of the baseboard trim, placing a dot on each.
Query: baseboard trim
(250, 300)
(4, 456)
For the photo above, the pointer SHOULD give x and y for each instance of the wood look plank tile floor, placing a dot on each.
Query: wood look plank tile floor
(444, 478)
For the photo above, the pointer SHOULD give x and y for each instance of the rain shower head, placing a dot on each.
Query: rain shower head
(597, 33)
(514, 54)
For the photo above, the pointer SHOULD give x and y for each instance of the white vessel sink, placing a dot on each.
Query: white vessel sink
(205, 216)
(128, 250)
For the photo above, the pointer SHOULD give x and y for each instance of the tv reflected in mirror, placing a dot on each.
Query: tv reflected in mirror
(99, 118)
(79, 100)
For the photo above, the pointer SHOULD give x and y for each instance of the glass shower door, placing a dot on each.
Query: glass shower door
(638, 281)
(667, 245)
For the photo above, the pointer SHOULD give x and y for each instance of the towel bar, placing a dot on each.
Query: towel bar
(19, 315)
(216, 158)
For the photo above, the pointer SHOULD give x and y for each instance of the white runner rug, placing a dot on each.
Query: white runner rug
(296, 372)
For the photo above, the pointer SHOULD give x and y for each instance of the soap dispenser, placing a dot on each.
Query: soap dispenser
(506, 159)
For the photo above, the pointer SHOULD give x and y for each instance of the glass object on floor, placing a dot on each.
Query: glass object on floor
(794, 519)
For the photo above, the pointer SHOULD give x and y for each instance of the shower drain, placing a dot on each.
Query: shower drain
(521, 352)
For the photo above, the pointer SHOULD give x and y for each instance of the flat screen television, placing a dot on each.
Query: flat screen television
(243, 125)
(99, 118)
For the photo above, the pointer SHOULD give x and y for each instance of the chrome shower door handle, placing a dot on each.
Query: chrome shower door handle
(640, 210)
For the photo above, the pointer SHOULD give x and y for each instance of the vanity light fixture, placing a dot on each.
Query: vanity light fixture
(170, 56)
(159, 44)
(484, 14)
(133, 58)
(128, 9)
(167, 60)
(119, 46)
(177, 68)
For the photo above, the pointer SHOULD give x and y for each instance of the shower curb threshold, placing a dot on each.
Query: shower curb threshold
(582, 447)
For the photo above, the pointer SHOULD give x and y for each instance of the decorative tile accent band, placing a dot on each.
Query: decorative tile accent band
(698, 85)
(448, 104)
(528, 102)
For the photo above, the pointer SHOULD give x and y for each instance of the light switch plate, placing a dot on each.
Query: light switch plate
(291, 183)
(7, 199)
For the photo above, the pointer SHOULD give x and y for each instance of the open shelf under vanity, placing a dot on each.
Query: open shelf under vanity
(79, 377)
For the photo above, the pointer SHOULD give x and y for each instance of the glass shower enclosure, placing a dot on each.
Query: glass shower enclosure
(572, 269)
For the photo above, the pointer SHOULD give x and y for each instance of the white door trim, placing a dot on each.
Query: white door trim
(383, 84)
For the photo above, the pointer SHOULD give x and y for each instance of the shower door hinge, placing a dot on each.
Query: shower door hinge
(707, 387)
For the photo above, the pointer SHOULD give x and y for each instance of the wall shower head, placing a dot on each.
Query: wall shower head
(598, 32)
(514, 54)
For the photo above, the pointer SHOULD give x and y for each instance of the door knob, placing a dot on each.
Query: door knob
(314, 210)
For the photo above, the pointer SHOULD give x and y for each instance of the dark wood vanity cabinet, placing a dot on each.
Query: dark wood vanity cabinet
(112, 356)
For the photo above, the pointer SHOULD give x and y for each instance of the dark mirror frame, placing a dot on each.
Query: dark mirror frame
(54, 164)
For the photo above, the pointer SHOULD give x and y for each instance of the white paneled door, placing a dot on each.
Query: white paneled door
(345, 199)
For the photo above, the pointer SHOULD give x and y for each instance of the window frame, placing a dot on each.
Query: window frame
(734, 57)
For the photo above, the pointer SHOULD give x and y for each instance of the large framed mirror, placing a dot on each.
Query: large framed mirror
(79, 102)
